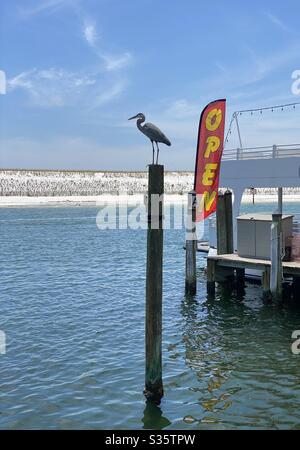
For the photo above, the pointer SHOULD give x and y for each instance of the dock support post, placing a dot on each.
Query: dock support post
(153, 370)
(191, 247)
(265, 282)
(211, 276)
(224, 224)
(276, 257)
(240, 278)
(296, 287)
(224, 233)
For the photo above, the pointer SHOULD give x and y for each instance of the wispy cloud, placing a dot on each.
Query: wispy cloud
(55, 87)
(181, 109)
(117, 62)
(277, 22)
(110, 94)
(45, 6)
(51, 87)
(58, 87)
(90, 33)
(111, 62)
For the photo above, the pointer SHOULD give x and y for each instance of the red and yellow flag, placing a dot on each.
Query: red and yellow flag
(208, 160)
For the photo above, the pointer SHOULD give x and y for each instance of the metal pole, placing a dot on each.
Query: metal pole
(280, 200)
(238, 130)
(221, 226)
(229, 221)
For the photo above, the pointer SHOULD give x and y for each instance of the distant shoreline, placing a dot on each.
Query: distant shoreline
(107, 199)
(76, 188)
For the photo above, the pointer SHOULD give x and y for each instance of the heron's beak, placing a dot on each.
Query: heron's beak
(134, 117)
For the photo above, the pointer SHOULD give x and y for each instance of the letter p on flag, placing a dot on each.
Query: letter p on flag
(208, 160)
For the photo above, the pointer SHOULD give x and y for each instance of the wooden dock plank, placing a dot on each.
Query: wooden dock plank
(238, 262)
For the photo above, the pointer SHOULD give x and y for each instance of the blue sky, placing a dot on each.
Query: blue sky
(76, 70)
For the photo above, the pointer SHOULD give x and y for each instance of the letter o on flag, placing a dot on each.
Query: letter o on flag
(213, 119)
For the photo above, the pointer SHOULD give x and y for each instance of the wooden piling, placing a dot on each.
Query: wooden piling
(211, 276)
(191, 247)
(224, 234)
(153, 368)
(265, 282)
(224, 224)
(296, 287)
(276, 257)
(240, 278)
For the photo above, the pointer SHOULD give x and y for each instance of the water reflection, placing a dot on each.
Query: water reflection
(153, 418)
(236, 344)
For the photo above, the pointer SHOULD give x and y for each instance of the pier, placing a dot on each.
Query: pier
(264, 243)
(233, 261)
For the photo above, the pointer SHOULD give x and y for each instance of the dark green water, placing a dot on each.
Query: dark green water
(72, 307)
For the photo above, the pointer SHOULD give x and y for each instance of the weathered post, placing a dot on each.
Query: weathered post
(276, 257)
(229, 221)
(265, 282)
(191, 246)
(153, 370)
(224, 233)
(211, 276)
(224, 224)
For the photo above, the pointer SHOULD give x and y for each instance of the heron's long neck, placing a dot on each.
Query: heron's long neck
(139, 123)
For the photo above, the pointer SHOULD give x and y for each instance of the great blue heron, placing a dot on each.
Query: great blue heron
(152, 132)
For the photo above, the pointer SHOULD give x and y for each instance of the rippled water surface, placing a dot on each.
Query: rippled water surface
(72, 307)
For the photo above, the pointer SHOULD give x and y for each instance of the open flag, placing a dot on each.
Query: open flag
(208, 160)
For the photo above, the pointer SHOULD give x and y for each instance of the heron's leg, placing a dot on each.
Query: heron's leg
(157, 153)
(153, 151)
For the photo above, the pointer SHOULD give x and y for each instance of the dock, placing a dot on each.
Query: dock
(261, 244)
(290, 268)
(223, 267)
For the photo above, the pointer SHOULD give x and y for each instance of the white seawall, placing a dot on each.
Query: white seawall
(38, 187)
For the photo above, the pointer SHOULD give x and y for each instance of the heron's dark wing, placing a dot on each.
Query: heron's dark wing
(155, 134)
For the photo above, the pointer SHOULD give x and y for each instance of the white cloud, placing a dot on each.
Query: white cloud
(51, 87)
(117, 62)
(109, 94)
(46, 6)
(181, 109)
(277, 22)
(90, 34)
(111, 62)
(57, 88)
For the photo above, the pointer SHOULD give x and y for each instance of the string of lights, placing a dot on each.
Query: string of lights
(255, 110)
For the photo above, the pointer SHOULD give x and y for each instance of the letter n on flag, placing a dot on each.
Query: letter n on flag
(208, 160)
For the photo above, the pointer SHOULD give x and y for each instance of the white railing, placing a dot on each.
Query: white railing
(296, 222)
(267, 152)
